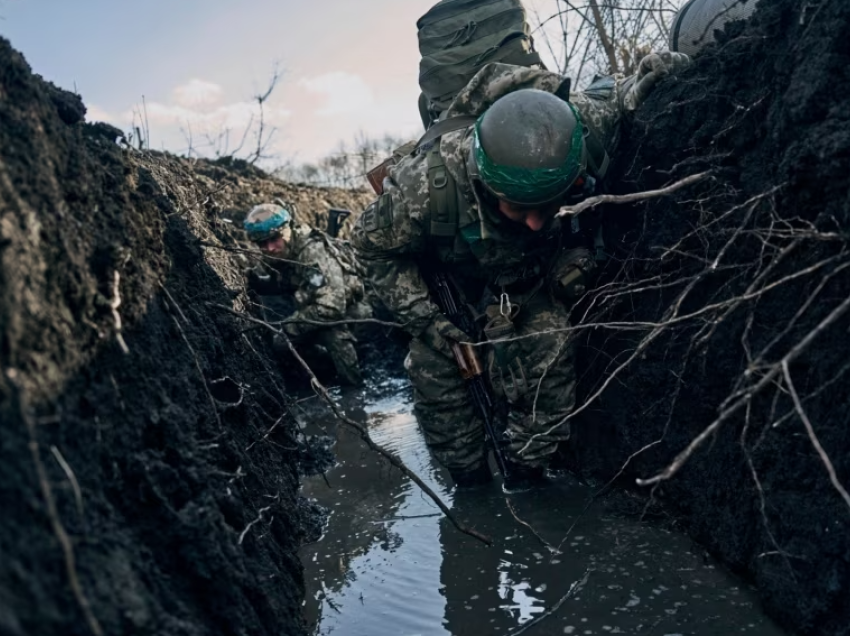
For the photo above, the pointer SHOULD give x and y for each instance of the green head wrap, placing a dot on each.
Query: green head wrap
(530, 186)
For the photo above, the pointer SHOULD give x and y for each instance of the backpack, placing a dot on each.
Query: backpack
(459, 37)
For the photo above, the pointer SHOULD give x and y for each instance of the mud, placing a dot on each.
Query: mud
(767, 112)
(173, 469)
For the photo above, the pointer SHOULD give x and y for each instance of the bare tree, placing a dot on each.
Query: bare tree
(589, 37)
(218, 144)
(346, 166)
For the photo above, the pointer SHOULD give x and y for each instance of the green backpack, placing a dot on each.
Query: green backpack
(458, 37)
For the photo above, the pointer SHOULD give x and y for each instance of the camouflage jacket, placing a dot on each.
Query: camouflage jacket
(391, 236)
(322, 276)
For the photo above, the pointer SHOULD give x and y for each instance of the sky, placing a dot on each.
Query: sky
(348, 66)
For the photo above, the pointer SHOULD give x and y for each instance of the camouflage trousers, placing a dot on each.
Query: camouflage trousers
(339, 345)
(531, 369)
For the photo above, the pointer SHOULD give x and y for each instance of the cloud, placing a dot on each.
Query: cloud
(344, 92)
(199, 104)
(96, 113)
(197, 93)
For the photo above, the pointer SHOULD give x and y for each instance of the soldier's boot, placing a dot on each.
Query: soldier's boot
(340, 346)
(346, 364)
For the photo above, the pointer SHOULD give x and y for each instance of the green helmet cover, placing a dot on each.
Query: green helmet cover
(530, 186)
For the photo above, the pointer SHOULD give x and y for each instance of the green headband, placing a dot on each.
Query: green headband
(529, 186)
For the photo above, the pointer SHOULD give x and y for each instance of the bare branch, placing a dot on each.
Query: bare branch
(830, 468)
(322, 392)
(592, 202)
(744, 396)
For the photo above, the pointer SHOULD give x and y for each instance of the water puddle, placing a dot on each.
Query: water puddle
(390, 564)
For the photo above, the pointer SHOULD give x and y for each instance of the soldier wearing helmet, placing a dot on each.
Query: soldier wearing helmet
(479, 203)
(311, 267)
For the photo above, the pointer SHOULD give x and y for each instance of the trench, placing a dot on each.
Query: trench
(389, 563)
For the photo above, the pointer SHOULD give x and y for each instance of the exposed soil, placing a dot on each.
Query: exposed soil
(174, 467)
(767, 112)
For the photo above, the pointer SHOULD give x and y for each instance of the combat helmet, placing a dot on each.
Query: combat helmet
(266, 221)
(528, 148)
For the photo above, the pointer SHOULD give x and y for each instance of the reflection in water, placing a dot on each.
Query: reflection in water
(389, 564)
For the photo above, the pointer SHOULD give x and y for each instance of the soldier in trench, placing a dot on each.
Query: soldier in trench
(321, 275)
(479, 203)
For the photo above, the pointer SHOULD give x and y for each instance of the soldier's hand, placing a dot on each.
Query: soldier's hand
(439, 332)
(571, 273)
(652, 69)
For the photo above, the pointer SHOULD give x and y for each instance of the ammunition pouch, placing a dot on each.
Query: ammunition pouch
(508, 366)
(571, 274)
(500, 323)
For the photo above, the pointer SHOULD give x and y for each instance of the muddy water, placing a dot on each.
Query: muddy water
(390, 564)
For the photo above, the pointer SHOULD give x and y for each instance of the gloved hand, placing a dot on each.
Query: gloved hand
(571, 273)
(651, 70)
(438, 330)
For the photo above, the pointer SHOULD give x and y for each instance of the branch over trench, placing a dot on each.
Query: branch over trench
(322, 392)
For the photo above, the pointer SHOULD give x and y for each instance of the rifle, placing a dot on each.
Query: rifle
(471, 369)
(336, 216)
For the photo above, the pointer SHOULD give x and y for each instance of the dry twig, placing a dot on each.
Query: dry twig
(575, 587)
(322, 392)
(552, 549)
(114, 304)
(72, 479)
(592, 202)
(197, 360)
(830, 468)
(742, 397)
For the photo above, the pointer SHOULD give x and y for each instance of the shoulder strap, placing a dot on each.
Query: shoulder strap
(445, 126)
(442, 196)
(524, 59)
(597, 157)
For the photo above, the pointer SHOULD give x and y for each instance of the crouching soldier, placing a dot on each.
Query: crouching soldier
(478, 204)
(321, 277)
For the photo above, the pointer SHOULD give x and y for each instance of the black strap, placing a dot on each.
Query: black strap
(523, 59)
(445, 126)
(597, 157)
(442, 196)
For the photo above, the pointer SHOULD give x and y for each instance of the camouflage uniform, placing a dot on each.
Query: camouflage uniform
(326, 287)
(534, 373)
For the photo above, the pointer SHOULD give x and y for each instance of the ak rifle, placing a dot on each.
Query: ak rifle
(468, 362)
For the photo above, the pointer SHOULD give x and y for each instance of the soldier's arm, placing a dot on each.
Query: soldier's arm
(611, 101)
(388, 237)
(602, 109)
(324, 284)
(264, 282)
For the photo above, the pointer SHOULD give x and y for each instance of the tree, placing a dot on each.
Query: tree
(589, 37)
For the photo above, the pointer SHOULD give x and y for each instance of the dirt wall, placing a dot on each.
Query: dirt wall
(150, 468)
(729, 279)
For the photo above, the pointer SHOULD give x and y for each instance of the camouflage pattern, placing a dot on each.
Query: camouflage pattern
(326, 286)
(535, 373)
(652, 69)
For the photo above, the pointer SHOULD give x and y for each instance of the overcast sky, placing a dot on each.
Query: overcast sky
(348, 65)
